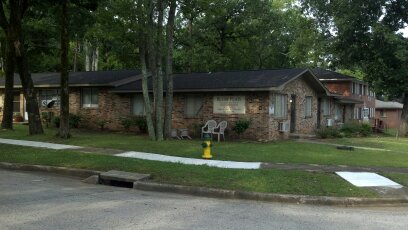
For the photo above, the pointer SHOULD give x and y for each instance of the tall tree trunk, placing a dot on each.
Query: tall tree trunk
(64, 101)
(190, 44)
(34, 119)
(96, 59)
(76, 53)
(403, 129)
(87, 58)
(143, 56)
(151, 54)
(159, 72)
(7, 122)
(169, 69)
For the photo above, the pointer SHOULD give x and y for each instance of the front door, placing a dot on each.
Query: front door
(319, 105)
(292, 113)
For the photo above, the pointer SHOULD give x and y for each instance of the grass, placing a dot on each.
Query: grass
(277, 152)
(274, 181)
(401, 178)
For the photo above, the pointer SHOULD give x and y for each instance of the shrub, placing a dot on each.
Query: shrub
(353, 129)
(141, 123)
(365, 130)
(74, 121)
(241, 126)
(102, 123)
(126, 123)
(329, 132)
(56, 121)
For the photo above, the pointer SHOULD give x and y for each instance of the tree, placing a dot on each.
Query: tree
(64, 97)
(364, 38)
(14, 34)
(151, 23)
(64, 100)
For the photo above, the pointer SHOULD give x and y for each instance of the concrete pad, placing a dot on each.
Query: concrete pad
(38, 144)
(191, 161)
(94, 179)
(367, 179)
(123, 176)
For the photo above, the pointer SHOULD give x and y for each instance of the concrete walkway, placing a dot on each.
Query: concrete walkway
(37, 144)
(191, 161)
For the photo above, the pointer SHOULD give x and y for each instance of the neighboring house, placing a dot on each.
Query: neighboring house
(277, 102)
(88, 91)
(388, 113)
(356, 100)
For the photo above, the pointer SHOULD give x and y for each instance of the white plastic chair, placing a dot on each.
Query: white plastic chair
(208, 128)
(219, 130)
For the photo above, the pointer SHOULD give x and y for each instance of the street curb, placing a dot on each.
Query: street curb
(81, 173)
(271, 197)
(218, 193)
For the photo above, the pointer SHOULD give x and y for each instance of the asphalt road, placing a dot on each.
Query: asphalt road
(44, 201)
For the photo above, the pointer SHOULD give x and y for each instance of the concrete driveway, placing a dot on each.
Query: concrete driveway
(44, 201)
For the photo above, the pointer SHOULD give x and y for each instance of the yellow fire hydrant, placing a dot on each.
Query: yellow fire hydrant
(206, 147)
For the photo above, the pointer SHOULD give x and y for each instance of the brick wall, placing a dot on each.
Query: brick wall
(256, 110)
(264, 126)
(391, 119)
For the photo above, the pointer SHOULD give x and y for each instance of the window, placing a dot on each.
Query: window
(279, 105)
(326, 107)
(49, 95)
(138, 107)
(339, 113)
(193, 105)
(383, 113)
(90, 98)
(308, 107)
(16, 103)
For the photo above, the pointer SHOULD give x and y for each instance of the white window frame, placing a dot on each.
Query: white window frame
(326, 107)
(142, 104)
(308, 106)
(94, 93)
(47, 95)
(278, 101)
(197, 107)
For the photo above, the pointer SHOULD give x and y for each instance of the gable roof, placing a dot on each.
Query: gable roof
(252, 80)
(90, 78)
(388, 105)
(324, 74)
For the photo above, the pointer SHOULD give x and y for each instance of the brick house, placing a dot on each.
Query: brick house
(388, 113)
(355, 100)
(278, 102)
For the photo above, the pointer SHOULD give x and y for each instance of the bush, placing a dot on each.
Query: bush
(126, 123)
(141, 123)
(241, 126)
(329, 132)
(353, 129)
(56, 121)
(74, 121)
(365, 130)
(102, 123)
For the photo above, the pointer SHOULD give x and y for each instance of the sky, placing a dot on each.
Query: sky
(404, 31)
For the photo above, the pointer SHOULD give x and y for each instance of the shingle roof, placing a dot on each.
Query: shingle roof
(388, 105)
(98, 78)
(324, 74)
(225, 80)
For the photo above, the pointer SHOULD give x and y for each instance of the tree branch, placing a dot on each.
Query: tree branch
(3, 19)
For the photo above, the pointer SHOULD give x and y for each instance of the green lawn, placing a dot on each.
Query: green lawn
(278, 152)
(384, 142)
(275, 181)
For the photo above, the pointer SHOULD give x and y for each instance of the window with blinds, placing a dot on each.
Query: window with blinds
(193, 105)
